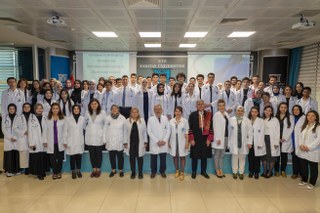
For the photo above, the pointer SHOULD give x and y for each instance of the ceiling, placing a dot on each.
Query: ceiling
(271, 19)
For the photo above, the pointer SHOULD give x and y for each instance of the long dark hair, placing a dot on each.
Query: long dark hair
(252, 108)
(90, 108)
(68, 99)
(294, 92)
(306, 121)
(179, 92)
(264, 116)
(33, 90)
(287, 115)
(60, 114)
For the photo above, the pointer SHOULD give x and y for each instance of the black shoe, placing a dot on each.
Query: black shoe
(268, 175)
(26, 171)
(263, 175)
(133, 175)
(140, 175)
(121, 174)
(241, 176)
(235, 176)
(205, 175)
(153, 175)
(74, 175)
(40, 177)
(163, 175)
(193, 175)
(112, 174)
(256, 176)
(79, 174)
(250, 175)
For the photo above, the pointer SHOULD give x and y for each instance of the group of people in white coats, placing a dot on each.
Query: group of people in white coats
(263, 123)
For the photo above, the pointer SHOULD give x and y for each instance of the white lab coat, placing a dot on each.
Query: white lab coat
(108, 102)
(171, 101)
(246, 136)
(115, 133)
(297, 131)
(231, 101)
(312, 141)
(287, 146)
(73, 135)
(86, 100)
(84, 104)
(68, 109)
(98, 95)
(182, 129)
(158, 132)
(49, 138)
(16, 97)
(36, 137)
(274, 127)
(197, 90)
(277, 99)
(205, 93)
(248, 104)
(46, 106)
(143, 138)
(292, 102)
(130, 94)
(240, 95)
(94, 129)
(8, 132)
(27, 96)
(219, 126)
(162, 100)
(140, 105)
(189, 104)
(261, 108)
(308, 105)
(259, 145)
(20, 126)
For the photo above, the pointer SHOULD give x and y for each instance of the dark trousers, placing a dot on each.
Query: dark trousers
(56, 160)
(112, 156)
(163, 163)
(296, 165)
(75, 161)
(254, 162)
(305, 165)
(133, 163)
(283, 159)
(95, 156)
(203, 165)
(125, 111)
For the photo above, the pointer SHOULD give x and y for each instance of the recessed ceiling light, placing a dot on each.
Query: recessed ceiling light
(187, 45)
(103, 34)
(150, 34)
(152, 45)
(195, 34)
(241, 34)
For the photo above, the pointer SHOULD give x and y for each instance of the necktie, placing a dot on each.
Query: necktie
(245, 96)
(211, 98)
(91, 96)
(200, 92)
(175, 101)
(159, 119)
(124, 97)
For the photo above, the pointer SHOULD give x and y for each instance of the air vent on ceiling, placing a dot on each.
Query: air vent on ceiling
(308, 13)
(144, 3)
(58, 41)
(287, 42)
(7, 21)
(232, 20)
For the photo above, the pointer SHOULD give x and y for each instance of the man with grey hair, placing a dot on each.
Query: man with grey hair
(159, 133)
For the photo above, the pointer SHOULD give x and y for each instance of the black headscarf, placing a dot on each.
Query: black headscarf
(26, 114)
(76, 93)
(160, 93)
(11, 116)
(76, 116)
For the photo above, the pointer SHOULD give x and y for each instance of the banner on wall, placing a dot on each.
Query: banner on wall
(167, 72)
(60, 68)
(275, 66)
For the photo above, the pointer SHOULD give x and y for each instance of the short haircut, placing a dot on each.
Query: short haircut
(133, 74)
(163, 75)
(107, 82)
(307, 88)
(11, 78)
(200, 76)
(233, 77)
(172, 78)
(211, 73)
(221, 101)
(246, 79)
(181, 74)
(273, 76)
(125, 76)
(192, 78)
(155, 74)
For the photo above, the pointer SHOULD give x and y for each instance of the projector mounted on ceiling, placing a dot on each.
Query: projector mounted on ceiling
(56, 21)
(304, 24)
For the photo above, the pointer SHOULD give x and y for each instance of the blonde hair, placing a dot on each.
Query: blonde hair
(139, 117)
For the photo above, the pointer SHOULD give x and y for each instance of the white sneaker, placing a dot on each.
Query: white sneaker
(18, 173)
(310, 186)
(302, 183)
(10, 175)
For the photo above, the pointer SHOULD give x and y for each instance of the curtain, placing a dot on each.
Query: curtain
(294, 68)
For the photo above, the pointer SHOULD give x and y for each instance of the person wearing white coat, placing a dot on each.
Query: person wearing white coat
(286, 128)
(65, 103)
(159, 132)
(230, 98)
(46, 102)
(161, 98)
(53, 141)
(95, 120)
(220, 123)
(137, 141)
(240, 140)
(73, 140)
(108, 98)
(10, 147)
(306, 102)
(272, 141)
(38, 159)
(254, 101)
(115, 136)
(20, 127)
(258, 148)
(178, 144)
(143, 100)
(12, 95)
(174, 99)
(189, 101)
(309, 149)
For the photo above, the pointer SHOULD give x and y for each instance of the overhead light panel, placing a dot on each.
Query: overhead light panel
(241, 34)
(150, 34)
(195, 34)
(152, 45)
(187, 45)
(105, 34)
